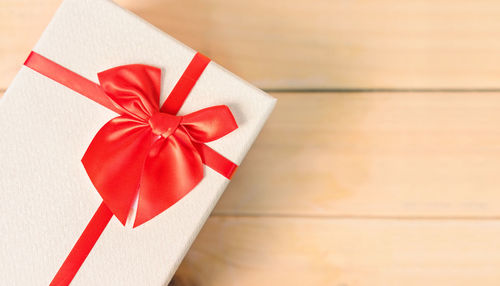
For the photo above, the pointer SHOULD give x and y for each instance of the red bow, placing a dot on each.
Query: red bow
(147, 153)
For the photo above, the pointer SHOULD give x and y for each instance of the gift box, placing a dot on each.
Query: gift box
(116, 143)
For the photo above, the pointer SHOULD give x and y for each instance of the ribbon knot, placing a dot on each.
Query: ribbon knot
(127, 161)
(164, 124)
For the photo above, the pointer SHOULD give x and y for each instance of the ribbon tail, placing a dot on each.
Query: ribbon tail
(172, 169)
(114, 162)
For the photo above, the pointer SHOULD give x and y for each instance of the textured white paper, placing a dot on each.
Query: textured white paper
(47, 198)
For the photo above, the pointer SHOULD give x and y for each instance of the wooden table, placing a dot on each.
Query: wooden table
(380, 164)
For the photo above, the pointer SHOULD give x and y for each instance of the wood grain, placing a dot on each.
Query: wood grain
(373, 154)
(304, 44)
(301, 251)
(397, 155)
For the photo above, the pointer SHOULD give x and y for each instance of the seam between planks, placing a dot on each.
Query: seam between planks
(355, 217)
(368, 90)
(377, 90)
(373, 90)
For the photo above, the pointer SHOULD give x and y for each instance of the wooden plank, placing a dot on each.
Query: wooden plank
(301, 251)
(304, 44)
(373, 154)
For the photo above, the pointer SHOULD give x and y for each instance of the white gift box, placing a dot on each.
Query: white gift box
(45, 128)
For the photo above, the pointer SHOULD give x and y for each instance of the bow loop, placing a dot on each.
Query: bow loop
(209, 124)
(135, 89)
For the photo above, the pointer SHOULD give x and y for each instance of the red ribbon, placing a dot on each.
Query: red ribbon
(147, 152)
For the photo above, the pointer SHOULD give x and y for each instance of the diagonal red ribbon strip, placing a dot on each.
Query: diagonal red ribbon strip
(184, 85)
(69, 79)
(83, 246)
(94, 92)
